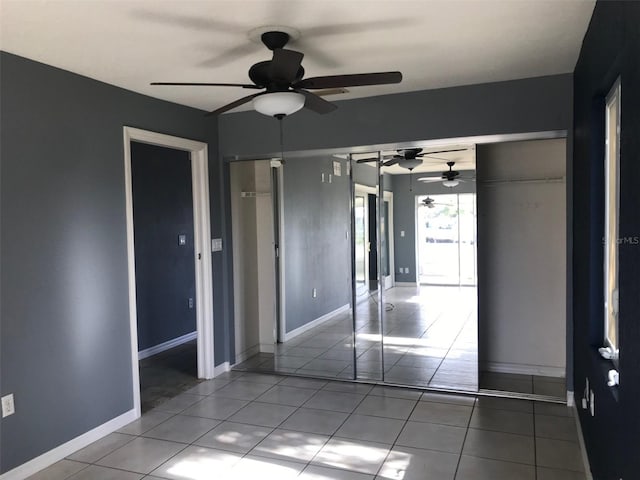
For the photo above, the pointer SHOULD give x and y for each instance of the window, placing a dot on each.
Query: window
(611, 230)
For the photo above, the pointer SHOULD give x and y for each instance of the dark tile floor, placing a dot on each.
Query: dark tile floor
(536, 384)
(167, 374)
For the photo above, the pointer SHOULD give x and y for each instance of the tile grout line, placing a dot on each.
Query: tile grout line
(330, 437)
(464, 440)
(398, 436)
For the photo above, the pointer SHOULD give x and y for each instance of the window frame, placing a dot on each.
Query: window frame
(612, 219)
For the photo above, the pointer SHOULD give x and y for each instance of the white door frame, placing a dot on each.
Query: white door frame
(389, 280)
(202, 249)
(281, 323)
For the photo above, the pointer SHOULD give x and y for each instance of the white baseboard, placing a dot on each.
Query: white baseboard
(523, 369)
(571, 399)
(52, 456)
(161, 347)
(220, 369)
(314, 323)
(267, 348)
(248, 353)
(406, 284)
(583, 448)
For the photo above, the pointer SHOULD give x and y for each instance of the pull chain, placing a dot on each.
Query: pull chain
(280, 117)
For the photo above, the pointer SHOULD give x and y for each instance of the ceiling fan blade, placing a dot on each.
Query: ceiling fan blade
(232, 105)
(190, 22)
(230, 55)
(285, 64)
(317, 104)
(431, 179)
(315, 54)
(331, 91)
(426, 154)
(197, 84)
(391, 162)
(367, 160)
(353, 80)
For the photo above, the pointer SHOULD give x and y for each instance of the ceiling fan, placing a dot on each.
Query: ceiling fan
(408, 158)
(285, 90)
(449, 178)
(431, 203)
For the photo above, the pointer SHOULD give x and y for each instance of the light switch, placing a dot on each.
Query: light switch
(8, 406)
(402, 233)
(216, 244)
(182, 239)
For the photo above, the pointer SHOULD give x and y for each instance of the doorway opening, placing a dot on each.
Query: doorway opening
(446, 246)
(169, 259)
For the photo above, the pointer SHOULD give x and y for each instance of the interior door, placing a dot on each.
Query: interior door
(361, 244)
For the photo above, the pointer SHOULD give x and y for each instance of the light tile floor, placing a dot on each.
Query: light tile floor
(428, 336)
(249, 426)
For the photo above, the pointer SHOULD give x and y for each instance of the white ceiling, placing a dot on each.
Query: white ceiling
(434, 43)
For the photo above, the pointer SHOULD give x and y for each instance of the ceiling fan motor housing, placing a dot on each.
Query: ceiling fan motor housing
(273, 39)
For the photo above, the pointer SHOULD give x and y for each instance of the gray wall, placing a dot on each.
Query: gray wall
(522, 256)
(64, 338)
(317, 251)
(529, 105)
(405, 191)
(165, 270)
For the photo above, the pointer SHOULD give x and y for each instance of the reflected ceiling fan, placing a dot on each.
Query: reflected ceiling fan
(431, 203)
(409, 158)
(449, 178)
(284, 90)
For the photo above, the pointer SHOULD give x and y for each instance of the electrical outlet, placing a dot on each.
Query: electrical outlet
(190, 303)
(8, 406)
(314, 293)
(402, 233)
(182, 239)
(406, 269)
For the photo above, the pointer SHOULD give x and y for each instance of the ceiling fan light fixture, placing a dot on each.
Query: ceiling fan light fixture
(410, 163)
(451, 183)
(278, 103)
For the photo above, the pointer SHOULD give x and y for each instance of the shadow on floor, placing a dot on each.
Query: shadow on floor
(167, 374)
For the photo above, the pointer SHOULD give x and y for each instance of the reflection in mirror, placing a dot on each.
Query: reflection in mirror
(430, 314)
(366, 301)
(309, 331)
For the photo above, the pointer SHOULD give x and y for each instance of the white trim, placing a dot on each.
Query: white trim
(390, 280)
(267, 348)
(249, 352)
(52, 456)
(164, 346)
(220, 369)
(571, 399)
(314, 323)
(522, 369)
(583, 448)
(407, 284)
(281, 323)
(202, 241)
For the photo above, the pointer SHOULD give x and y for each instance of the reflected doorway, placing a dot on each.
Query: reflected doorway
(446, 245)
